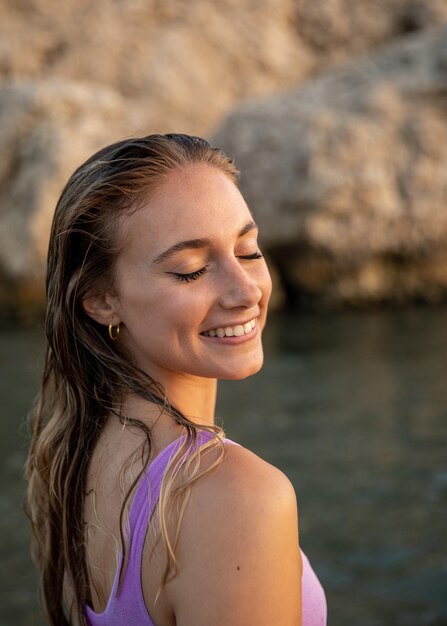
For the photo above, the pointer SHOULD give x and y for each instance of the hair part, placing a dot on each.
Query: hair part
(86, 377)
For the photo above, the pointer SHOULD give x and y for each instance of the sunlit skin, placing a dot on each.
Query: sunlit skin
(162, 316)
(247, 502)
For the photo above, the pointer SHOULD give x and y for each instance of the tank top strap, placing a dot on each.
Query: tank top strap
(146, 498)
(144, 501)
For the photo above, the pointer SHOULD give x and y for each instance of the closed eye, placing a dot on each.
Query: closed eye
(255, 255)
(186, 278)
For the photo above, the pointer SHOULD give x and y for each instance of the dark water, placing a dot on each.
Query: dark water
(353, 408)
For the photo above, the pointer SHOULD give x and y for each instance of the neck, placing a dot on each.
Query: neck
(193, 396)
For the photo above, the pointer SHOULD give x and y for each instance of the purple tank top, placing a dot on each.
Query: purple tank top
(128, 606)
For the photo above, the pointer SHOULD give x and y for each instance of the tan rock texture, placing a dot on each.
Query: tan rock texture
(76, 75)
(45, 130)
(185, 63)
(346, 176)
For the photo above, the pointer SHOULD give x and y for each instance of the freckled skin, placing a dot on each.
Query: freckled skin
(161, 316)
(161, 319)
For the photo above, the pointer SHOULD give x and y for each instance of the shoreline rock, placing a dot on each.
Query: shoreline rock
(346, 177)
(46, 130)
(156, 66)
(185, 65)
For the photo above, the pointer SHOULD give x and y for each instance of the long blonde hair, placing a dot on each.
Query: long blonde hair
(85, 375)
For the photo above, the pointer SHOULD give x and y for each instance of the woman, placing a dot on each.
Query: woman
(141, 512)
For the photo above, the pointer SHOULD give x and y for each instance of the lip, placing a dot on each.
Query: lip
(233, 340)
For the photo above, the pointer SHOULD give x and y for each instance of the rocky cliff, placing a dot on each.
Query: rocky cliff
(77, 75)
(184, 64)
(346, 176)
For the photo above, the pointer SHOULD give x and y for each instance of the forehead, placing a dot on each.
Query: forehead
(194, 202)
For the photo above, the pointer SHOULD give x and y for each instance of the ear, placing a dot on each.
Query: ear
(102, 308)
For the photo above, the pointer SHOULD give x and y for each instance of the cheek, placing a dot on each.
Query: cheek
(265, 284)
(188, 305)
(175, 308)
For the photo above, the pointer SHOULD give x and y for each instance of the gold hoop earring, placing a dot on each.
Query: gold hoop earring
(114, 336)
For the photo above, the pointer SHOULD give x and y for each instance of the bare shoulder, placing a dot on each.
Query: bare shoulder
(244, 475)
(238, 553)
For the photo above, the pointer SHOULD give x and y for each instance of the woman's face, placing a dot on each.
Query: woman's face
(190, 271)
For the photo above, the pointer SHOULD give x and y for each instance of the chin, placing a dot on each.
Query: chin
(239, 373)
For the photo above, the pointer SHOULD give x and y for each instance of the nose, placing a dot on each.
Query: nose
(238, 288)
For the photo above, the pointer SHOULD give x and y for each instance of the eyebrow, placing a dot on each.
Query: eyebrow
(197, 243)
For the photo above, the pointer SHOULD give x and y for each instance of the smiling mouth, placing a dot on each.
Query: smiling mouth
(231, 331)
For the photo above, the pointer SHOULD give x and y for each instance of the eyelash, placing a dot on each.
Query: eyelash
(186, 278)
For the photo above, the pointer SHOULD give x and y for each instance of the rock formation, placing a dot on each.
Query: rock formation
(346, 176)
(45, 131)
(184, 65)
(77, 75)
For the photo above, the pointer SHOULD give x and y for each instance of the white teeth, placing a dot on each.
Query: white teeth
(231, 331)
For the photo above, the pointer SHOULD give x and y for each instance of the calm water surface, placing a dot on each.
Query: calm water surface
(353, 408)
